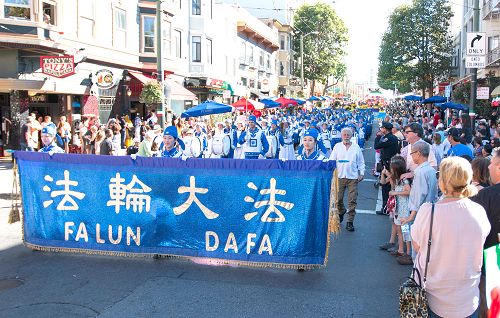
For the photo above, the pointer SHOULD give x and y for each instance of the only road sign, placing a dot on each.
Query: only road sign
(476, 43)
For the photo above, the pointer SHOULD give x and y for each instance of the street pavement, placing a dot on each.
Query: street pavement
(359, 281)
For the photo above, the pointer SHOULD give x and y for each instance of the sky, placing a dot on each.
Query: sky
(366, 21)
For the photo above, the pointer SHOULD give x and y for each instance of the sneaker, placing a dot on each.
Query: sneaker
(396, 253)
(350, 227)
(405, 260)
(386, 246)
(341, 217)
(380, 212)
(392, 249)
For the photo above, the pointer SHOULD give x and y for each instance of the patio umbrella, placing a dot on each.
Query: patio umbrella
(244, 104)
(452, 105)
(496, 91)
(413, 98)
(270, 103)
(299, 101)
(285, 102)
(314, 98)
(435, 99)
(207, 108)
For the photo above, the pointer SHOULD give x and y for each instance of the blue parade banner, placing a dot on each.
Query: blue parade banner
(250, 212)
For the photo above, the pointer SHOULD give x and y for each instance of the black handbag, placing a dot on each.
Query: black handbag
(412, 295)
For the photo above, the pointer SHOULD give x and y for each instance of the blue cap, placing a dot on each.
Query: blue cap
(312, 133)
(314, 124)
(172, 131)
(275, 122)
(49, 130)
(252, 118)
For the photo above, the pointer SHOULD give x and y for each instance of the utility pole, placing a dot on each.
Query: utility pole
(301, 62)
(159, 59)
(473, 81)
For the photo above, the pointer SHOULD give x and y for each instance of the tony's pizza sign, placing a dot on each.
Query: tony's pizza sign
(58, 66)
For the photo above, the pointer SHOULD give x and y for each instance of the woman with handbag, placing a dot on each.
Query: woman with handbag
(448, 238)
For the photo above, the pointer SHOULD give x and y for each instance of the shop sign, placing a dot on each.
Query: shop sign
(265, 82)
(483, 93)
(58, 66)
(104, 79)
(106, 103)
(39, 98)
(214, 82)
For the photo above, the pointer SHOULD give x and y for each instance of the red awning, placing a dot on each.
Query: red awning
(177, 91)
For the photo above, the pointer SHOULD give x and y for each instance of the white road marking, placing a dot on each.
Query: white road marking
(365, 211)
(369, 180)
(379, 200)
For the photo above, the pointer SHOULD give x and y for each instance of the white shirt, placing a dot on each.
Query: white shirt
(350, 162)
(410, 165)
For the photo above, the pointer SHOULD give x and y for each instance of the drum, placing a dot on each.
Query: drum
(221, 145)
(273, 146)
(193, 146)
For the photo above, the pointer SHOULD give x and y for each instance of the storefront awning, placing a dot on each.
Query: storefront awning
(10, 84)
(177, 91)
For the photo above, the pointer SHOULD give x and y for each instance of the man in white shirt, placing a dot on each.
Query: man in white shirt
(351, 170)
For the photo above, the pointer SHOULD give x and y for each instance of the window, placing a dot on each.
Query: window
(244, 81)
(259, 85)
(268, 63)
(148, 34)
(493, 42)
(177, 40)
(282, 69)
(282, 42)
(196, 51)
(167, 38)
(251, 55)
(17, 9)
(196, 7)
(252, 83)
(86, 22)
(119, 28)
(243, 51)
(261, 59)
(209, 51)
(49, 12)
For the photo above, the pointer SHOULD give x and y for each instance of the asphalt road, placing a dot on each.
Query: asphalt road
(359, 281)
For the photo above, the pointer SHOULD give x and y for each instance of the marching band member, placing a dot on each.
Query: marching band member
(49, 140)
(203, 137)
(238, 148)
(326, 137)
(170, 142)
(274, 131)
(233, 135)
(254, 141)
(310, 145)
(286, 143)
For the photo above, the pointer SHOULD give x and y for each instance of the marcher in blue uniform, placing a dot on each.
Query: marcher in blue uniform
(310, 145)
(49, 140)
(254, 140)
(170, 142)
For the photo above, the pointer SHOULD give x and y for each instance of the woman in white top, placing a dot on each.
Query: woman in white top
(459, 230)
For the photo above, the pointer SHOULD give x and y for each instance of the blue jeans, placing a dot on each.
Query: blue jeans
(434, 315)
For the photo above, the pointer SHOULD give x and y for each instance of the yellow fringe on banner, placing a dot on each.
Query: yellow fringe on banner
(214, 261)
(334, 219)
(14, 215)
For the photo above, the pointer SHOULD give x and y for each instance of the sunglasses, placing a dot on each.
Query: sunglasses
(408, 131)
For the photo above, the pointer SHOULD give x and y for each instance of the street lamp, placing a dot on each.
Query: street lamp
(302, 36)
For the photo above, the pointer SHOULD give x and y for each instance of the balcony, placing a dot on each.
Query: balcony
(493, 58)
(491, 10)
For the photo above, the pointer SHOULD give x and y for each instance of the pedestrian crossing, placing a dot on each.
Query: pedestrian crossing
(378, 206)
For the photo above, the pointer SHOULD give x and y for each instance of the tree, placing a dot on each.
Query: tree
(416, 49)
(325, 48)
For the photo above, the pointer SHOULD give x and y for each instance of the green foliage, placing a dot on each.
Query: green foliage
(417, 47)
(483, 108)
(151, 93)
(324, 51)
